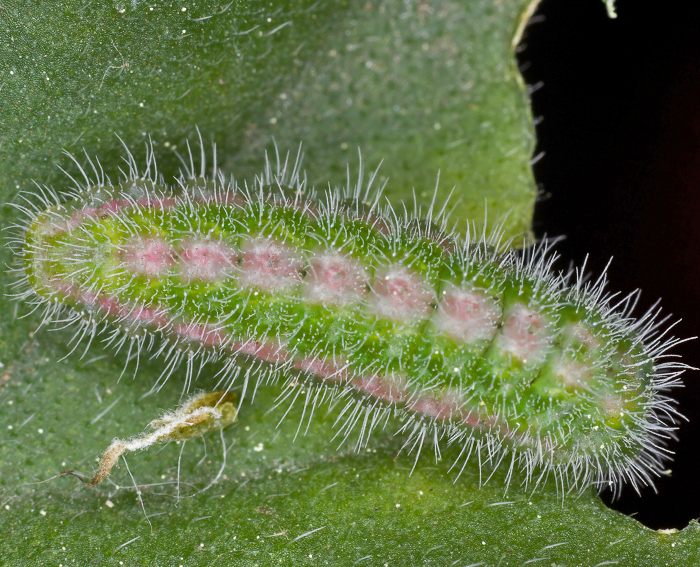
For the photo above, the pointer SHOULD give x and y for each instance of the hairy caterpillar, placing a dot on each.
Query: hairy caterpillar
(346, 300)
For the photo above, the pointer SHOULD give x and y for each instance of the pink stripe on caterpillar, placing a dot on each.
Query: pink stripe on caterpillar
(265, 351)
(148, 256)
(268, 265)
(390, 389)
(116, 205)
(467, 315)
(327, 371)
(206, 335)
(206, 260)
(335, 279)
(401, 295)
(110, 207)
(573, 375)
(112, 306)
(444, 407)
(524, 334)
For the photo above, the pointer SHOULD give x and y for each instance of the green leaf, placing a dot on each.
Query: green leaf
(424, 85)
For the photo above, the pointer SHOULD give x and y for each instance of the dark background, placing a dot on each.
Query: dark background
(618, 110)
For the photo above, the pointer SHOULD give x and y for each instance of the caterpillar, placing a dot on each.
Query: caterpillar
(386, 314)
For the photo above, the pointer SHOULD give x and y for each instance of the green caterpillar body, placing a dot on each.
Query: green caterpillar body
(345, 300)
